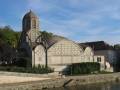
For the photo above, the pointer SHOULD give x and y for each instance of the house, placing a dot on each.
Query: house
(104, 54)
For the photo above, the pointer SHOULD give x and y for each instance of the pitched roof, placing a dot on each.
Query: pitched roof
(99, 45)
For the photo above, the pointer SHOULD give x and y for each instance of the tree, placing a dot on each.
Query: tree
(8, 54)
(117, 49)
(46, 36)
(8, 43)
(7, 35)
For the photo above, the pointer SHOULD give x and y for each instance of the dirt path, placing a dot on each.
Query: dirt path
(16, 79)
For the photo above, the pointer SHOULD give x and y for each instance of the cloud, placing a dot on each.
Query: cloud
(79, 20)
(41, 5)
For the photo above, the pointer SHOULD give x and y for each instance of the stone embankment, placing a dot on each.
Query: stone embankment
(60, 81)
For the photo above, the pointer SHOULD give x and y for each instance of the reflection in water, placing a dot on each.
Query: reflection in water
(109, 86)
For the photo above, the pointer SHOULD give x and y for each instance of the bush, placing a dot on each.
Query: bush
(84, 68)
(37, 70)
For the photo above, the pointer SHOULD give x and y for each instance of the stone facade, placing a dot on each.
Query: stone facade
(38, 55)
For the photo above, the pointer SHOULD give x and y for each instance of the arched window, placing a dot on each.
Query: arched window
(34, 23)
(26, 24)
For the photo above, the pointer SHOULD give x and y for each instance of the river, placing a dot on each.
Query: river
(109, 86)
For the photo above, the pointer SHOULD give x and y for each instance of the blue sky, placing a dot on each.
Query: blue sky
(79, 20)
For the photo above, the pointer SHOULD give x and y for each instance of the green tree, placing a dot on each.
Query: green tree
(8, 43)
(8, 36)
(46, 36)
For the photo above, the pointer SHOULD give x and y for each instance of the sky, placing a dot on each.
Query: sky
(78, 20)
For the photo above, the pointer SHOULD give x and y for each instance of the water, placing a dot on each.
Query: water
(107, 86)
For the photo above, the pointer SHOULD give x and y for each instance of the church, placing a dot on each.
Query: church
(56, 53)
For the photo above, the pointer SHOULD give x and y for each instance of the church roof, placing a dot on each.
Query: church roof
(57, 38)
(30, 14)
(54, 39)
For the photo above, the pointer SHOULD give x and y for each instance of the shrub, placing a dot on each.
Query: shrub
(83, 68)
(37, 70)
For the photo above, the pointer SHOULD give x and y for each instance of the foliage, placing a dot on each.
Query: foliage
(7, 54)
(37, 70)
(8, 36)
(117, 64)
(46, 35)
(21, 62)
(117, 47)
(84, 68)
(8, 43)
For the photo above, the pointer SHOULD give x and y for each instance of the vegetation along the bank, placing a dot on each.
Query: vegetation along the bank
(37, 70)
(83, 68)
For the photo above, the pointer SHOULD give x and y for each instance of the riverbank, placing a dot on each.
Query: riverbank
(54, 82)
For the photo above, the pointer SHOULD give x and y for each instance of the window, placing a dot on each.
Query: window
(27, 23)
(98, 59)
(34, 23)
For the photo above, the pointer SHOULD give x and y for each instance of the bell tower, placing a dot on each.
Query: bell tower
(30, 22)
(30, 36)
(30, 28)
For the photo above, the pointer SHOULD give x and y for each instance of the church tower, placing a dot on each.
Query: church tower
(30, 29)
(30, 22)
(30, 39)
(30, 36)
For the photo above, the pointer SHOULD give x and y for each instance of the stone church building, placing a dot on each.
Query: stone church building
(58, 53)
